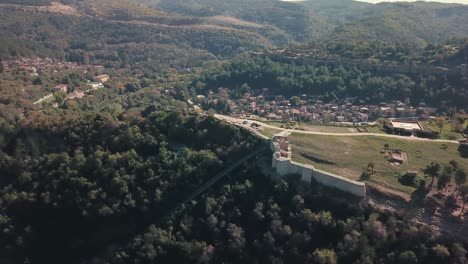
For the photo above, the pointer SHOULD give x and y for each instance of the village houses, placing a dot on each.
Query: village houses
(314, 109)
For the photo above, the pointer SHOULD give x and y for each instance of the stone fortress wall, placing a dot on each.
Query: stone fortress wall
(282, 163)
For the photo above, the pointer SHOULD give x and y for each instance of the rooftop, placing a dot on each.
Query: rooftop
(407, 125)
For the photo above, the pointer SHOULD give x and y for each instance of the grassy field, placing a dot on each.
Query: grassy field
(446, 130)
(269, 131)
(375, 130)
(352, 154)
(325, 128)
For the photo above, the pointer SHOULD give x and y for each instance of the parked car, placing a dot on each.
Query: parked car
(255, 125)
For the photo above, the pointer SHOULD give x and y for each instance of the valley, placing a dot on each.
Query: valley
(233, 131)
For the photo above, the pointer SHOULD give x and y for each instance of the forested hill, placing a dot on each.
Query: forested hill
(412, 24)
(415, 24)
(107, 31)
(292, 18)
(209, 28)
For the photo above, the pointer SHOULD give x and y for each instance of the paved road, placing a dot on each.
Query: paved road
(238, 122)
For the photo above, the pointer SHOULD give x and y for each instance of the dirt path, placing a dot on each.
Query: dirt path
(43, 98)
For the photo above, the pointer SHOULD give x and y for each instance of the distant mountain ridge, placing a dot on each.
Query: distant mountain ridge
(416, 24)
(221, 28)
(293, 19)
(118, 32)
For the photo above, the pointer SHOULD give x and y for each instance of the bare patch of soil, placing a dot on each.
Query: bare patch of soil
(235, 21)
(441, 220)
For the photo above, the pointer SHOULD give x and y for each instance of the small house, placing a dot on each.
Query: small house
(101, 78)
(272, 116)
(412, 173)
(96, 85)
(61, 88)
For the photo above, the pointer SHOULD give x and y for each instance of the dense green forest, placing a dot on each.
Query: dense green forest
(333, 82)
(255, 220)
(294, 19)
(412, 24)
(154, 41)
(94, 178)
(450, 53)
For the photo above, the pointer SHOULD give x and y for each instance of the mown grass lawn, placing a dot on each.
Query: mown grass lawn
(352, 154)
(325, 128)
(269, 131)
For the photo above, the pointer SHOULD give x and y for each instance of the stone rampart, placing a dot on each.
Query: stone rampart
(284, 166)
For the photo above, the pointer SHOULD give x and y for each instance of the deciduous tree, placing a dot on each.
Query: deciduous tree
(460, 178)
(464, 195)
(432, 170)
(324, 256)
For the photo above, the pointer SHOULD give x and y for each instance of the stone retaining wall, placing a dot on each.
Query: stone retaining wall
(285, 166)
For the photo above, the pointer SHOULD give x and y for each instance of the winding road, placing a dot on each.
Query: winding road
(238, 122)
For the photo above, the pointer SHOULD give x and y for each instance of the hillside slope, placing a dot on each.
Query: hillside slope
(291, 18)
(109, 31)
(415, 24)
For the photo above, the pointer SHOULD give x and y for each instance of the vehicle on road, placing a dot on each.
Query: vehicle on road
(255, 125)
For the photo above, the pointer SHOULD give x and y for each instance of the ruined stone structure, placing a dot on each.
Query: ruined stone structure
(282, 163)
